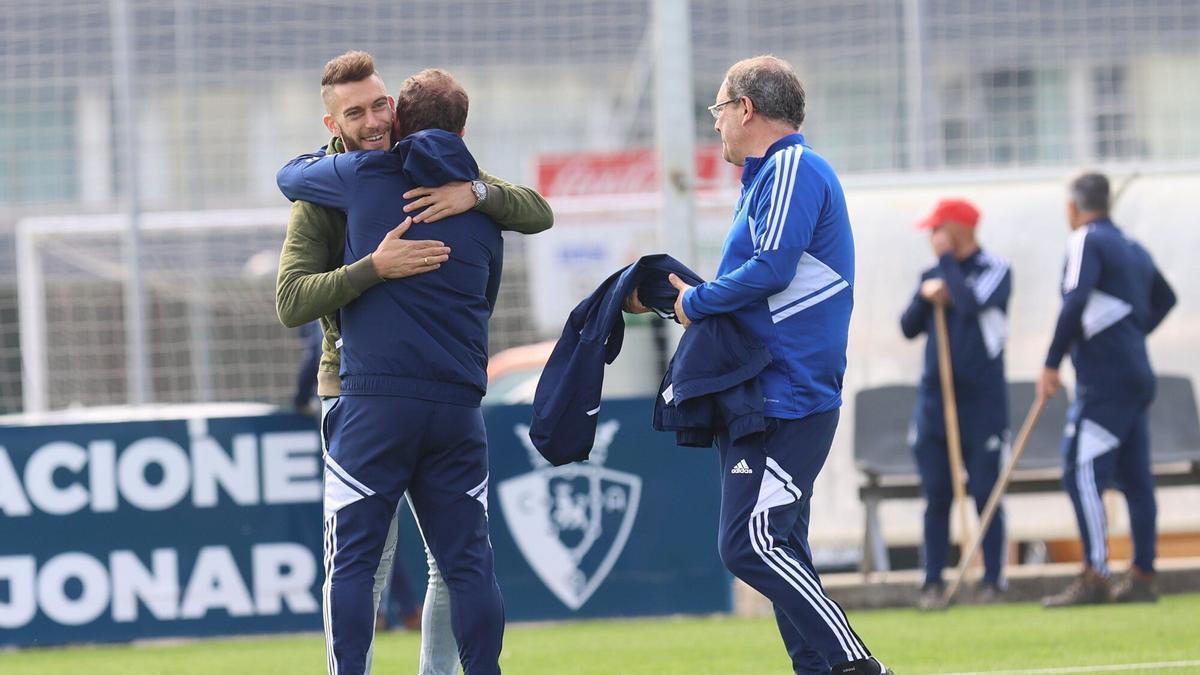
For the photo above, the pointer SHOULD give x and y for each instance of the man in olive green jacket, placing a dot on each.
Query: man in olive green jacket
(314, 283)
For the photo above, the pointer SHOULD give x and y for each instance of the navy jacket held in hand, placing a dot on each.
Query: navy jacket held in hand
(712, 384)
(567, 400)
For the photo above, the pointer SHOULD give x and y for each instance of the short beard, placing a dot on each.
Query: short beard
(347, 144)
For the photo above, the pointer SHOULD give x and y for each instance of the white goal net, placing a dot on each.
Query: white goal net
(211, 332)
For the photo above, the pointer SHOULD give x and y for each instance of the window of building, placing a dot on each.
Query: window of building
(1112, 122)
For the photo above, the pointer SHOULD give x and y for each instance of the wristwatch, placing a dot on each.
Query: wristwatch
(480, 189)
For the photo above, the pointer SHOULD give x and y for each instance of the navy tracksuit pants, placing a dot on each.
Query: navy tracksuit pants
(1107, 442)
(378, 448)
(766, 496)
(982, 455)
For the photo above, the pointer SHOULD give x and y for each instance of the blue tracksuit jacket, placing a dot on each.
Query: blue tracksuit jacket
(977, 324)
(1113, 296)
(424, 336)
(787, 274)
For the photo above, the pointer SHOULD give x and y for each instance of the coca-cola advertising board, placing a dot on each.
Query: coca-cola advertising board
(624, 172)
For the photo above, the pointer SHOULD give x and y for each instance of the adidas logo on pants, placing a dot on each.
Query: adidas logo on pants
(763, 538)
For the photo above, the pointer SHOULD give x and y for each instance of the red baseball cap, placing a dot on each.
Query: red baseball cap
(950, 210)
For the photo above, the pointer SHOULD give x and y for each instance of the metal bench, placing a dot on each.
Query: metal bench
(883, 455)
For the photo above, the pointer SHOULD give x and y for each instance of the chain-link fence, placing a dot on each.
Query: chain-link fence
(222, 93)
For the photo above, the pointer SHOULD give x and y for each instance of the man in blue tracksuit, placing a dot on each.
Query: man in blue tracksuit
(974, 287)
(1113, 297)
(413, 371)
(786, 274)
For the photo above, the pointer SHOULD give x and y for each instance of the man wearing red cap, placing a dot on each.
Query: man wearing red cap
(974, 287)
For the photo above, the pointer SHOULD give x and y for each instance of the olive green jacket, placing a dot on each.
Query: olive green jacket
(313, 283)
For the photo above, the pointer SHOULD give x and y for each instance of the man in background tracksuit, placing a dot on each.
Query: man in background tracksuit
(786, 274)
(1113, 297)
(974, 287)
(413, 372)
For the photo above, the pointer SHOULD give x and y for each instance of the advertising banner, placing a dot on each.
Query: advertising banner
(632, 531)
(211, 526)
(147, 529)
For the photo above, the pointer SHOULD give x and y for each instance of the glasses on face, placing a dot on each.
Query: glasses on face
(715, 110)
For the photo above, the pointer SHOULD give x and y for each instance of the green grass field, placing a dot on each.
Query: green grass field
(967, 639)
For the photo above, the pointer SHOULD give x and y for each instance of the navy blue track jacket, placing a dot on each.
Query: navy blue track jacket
(567, 400)
(712, 384)
(424, 336)
(1113, 297)
(977, 325)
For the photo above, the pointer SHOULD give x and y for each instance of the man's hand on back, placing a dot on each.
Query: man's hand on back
(396, 258)
(448, 200)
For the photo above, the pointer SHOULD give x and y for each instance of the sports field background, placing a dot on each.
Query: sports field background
(1002, 638)
(196, 103)
(905, 93)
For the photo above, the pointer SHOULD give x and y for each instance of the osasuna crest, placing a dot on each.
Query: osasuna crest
(571, 522)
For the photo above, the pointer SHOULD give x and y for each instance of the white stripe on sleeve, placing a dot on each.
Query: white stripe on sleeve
(776, 180)
(785, 205)
(990, 280)
(1074, 259)
(791, 163)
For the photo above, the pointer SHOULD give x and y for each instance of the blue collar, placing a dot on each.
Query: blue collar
(1103, 220)
(752, 164)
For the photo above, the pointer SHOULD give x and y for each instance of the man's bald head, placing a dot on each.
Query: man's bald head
(772, 84)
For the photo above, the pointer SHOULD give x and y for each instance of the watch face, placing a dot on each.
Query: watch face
(480, 190)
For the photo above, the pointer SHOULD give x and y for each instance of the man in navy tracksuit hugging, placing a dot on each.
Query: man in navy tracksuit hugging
(413, 371)
(1113, 297)
(786, 274)
(974, 287)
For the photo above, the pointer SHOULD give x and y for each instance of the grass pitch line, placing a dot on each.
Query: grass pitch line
(1163, 665)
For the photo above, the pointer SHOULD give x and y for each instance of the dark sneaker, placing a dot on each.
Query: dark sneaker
(932, 598)
(1135, 586)
(867, 666)
(987, 593)
(1089, 588)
